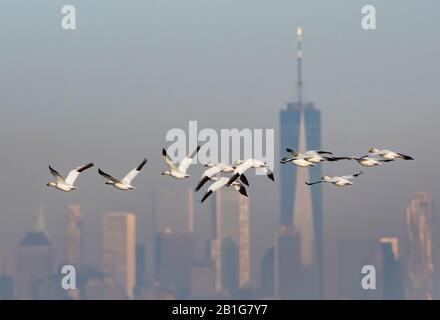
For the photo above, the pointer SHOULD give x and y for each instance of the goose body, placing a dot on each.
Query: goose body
(67, 184)
(389, 155)
(178, 171)
(307, 159)
(339, 181)
(125, 183)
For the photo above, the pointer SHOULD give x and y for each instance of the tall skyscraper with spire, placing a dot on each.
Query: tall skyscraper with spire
(301, 207)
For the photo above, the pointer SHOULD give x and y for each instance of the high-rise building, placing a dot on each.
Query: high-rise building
(175, 256)
(231, 244)
(267, 274)
(120, 249)
(392, 280)
(301, 207)
(6, 286)
(34, 263)
(74, 254)
(353, 255)
(419, 237)
(288, 271)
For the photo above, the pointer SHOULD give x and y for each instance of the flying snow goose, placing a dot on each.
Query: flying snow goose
(214, 169)
(222, 181)
(243, 165)
(66, 185)
(389, 155)
(337, 181)
(125, 183)
(307, 159)
(366, 161)
(178, 171)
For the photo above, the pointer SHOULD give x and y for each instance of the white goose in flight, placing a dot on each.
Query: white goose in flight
(66, 185)
(243, 165)
(311, 156)
(388, 154)
(125, 183)
(220, 182)
(337, 181)
(178, 171)
(366, 161)
(214, 169)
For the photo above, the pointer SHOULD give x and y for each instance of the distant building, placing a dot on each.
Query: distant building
(74, 254)
(300, 130)
(392, 278)
(267, 274)
(175, 256)
(202, 282)
(120, 249)
(420, 243)
(34, 263)
(288, 271)
(231, 240)
(6, 286)
(353, 255)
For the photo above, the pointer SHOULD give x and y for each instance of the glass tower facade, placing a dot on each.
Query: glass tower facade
(296, 120)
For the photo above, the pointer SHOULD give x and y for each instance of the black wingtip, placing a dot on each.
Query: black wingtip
(232, 179)
(201, 183)
(244, 180)
(206, 196)
(243, 191)
(89, 165)
(289, 150)
(271, 177)
(139, 168)
(164, 152)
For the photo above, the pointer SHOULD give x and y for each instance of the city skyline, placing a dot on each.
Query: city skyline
(64, 93)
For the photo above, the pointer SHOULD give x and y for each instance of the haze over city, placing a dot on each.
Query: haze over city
(110, 91)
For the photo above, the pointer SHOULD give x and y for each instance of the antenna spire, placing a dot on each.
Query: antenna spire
(299, 55)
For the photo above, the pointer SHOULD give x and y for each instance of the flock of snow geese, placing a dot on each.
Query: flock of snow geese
(236, 171)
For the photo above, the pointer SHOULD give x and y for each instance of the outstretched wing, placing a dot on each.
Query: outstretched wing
(168, 160)
(107, 176)
(214, 187)
(353, 175)
(186, 162)
(312, 183)
(405, 157)
(240, 170)
(268, 173)
(73, 174)
(212, 171)
(55, 173)
(133, 173)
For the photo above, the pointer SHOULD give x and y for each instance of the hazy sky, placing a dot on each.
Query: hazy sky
(109, 91)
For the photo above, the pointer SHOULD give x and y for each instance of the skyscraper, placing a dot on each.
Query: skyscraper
(419, 237)
(288, 271)
(74, 254)
(301, 207)
(231, 245)
(34, 263)
(120, 249)
(175, 256)
(392, 283)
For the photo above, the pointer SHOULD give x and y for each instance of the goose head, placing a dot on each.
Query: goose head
(166, 173)
(51, 184)
(373, 150)
(325, 178)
